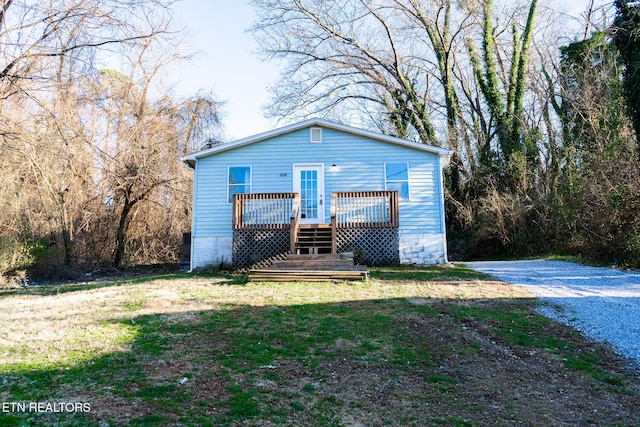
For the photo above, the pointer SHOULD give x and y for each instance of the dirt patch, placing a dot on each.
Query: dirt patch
(524, 385)
(386, 352)
(457, 372)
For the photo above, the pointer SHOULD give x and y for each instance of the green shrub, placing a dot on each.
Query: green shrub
(20, 254)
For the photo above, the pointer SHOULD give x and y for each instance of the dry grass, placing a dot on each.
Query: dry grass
(47, 330)
(409, 347)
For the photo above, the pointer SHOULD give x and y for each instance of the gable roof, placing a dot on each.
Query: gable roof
(190, 159)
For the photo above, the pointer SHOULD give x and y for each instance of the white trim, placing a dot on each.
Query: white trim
(321, 189)
(191, 158)
(318, 131)
(445, 249)
(194, 209)
(250, 178)
(384, 172)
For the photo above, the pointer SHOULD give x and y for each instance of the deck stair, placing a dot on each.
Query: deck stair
(311, 268)
(313, 239)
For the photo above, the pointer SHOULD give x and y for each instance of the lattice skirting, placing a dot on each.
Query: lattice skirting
(371, 246)
(250, 247)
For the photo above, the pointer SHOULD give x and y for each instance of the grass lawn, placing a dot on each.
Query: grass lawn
(425, 347)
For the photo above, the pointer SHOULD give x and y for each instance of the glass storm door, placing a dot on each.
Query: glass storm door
(309, 183)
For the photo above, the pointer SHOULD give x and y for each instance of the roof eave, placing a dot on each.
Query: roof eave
(193, 157)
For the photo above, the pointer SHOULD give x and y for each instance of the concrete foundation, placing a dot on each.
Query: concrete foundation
(423, 248)
(211, 251)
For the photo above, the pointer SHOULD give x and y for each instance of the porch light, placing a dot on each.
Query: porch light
(334, 168)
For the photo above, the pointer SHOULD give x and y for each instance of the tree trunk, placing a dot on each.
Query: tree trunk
(118, 254)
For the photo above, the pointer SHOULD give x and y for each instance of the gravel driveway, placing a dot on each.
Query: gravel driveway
(601, 302)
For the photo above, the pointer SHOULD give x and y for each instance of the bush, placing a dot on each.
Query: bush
(20, 254)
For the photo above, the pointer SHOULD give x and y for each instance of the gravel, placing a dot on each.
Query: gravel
(603, 303)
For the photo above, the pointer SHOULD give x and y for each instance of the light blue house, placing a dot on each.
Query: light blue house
(318, 186)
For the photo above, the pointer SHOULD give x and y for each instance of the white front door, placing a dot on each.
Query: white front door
(308, 181)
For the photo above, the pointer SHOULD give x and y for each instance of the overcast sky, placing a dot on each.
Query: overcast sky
(227, 64)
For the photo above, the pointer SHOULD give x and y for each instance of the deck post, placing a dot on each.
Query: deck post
(334, 224)
(294, 224)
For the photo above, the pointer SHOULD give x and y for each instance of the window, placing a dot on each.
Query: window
(396, 177)
(316, 135)
(239, 181)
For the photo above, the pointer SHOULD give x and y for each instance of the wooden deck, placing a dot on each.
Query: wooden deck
(311, 268)
(359, 219)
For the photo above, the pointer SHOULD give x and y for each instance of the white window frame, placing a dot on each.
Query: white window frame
(311, 140)
(408, 180)
(229, 185)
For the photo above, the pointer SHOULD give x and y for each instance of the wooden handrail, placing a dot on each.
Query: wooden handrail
(334, 198)
(365, 209)
(294, 224)
(334, 224)
(262, 210)
(295, 207)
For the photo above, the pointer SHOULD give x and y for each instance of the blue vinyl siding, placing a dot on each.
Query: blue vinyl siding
(360, 167)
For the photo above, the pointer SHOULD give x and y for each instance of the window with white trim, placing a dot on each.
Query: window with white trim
(315, 135)
(239, 181)
(396, 177)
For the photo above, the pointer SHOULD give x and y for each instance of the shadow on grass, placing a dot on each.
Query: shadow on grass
(223, 278)
(427, 273)
(384, 362)
(398, 273)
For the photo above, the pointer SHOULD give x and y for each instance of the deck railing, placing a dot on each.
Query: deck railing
(280, 212)
(362, 209)
(263, 210)
(365, 209)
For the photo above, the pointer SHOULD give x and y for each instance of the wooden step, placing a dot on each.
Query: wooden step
(312, 250)
(338, 268)
(342, 255)
(311, 267)
(276, 275)
(314, 245)
(288, 278)
(302, 263)
(314, 239)
(321, 226)
(311, 239)
(313, 236)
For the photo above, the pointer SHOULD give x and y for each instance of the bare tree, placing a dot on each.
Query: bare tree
(406, 61)
(412, 68)
(99, 179)
(143, 136)
(34, 32)
(339, 54)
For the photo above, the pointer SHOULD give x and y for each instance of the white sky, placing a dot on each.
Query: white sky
(227, 65)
